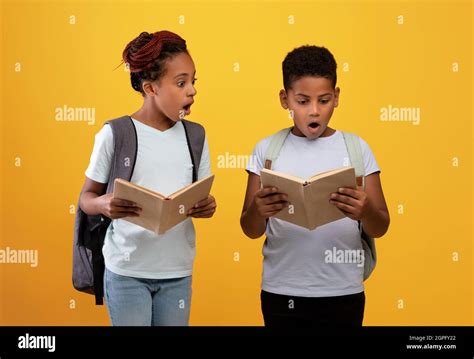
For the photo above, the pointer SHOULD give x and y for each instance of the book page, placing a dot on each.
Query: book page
(318, 192)
(295, 213)
(328, 173)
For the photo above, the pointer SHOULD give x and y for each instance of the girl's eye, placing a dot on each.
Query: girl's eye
(194, 81)
(302, 102)
(324, 101)
(181, 84)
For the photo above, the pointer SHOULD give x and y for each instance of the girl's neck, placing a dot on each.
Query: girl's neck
(153, 118)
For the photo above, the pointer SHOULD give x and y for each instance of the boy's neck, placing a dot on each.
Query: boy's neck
(328, 132)
(153, 118)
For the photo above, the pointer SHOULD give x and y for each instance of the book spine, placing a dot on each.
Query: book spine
(161, 220)
(310, 221)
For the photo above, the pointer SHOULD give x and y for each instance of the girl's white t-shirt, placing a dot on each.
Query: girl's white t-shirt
(163, 164)
(296, 260)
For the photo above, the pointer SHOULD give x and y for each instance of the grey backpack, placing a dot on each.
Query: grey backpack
(89, 231)
(357, 161)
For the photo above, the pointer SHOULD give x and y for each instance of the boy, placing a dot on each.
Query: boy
(299, 288)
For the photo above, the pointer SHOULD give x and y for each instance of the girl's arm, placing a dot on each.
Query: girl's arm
(93, 201)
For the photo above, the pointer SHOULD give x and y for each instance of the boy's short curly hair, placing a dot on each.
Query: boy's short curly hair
(308, 61)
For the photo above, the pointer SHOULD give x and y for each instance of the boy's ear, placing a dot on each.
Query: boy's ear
(283, 99)
(337, 91)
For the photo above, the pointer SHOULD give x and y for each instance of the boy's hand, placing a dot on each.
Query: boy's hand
(117, 208)
(354, 203)
(204, 209)
(268, 201)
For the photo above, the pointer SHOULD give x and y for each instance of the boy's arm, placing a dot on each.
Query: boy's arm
(259, 205)
(367, 206)
(377, 221)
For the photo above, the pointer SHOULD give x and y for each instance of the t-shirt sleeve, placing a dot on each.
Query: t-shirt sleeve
(101, 158)
(205, 164)
(257, 159)
(370, 163)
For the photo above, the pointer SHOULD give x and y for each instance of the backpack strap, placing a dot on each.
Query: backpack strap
(122, 166)
(195, 136)
(125, 150)
(355, 155)
(274, 148)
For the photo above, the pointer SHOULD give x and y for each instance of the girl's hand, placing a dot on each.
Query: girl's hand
(204, 209)
(117, 208)
(354, 203)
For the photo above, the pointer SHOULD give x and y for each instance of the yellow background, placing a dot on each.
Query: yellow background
(404, 65)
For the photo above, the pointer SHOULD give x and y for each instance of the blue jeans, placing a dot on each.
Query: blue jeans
(147, 302)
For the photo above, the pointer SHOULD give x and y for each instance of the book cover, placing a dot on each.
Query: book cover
(160, 213)
(309, 199)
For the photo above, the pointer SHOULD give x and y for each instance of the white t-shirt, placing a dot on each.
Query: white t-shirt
(295, 257)
(163, 164)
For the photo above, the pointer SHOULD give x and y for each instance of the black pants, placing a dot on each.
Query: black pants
(282, 311)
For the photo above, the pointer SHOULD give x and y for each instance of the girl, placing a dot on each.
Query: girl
(148, 277)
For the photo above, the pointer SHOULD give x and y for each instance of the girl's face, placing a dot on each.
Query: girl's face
(173, 94)
(311, 101)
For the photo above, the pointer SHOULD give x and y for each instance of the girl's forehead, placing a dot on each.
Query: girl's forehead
(180, 64)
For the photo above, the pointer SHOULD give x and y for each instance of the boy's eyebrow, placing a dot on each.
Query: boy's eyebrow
(184, 74)
(302, 94)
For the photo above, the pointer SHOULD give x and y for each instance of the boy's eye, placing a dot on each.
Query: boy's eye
(180, 83)
(302, 102)
(324, 101)
(194, 81)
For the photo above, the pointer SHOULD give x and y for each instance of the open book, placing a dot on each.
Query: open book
(160, 213)
(309, 199)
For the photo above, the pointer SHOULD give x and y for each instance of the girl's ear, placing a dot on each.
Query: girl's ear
(283, 99)
(337, 91)
(148, 88)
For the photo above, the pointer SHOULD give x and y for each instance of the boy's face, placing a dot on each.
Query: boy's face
(311, 101)
(173, 94)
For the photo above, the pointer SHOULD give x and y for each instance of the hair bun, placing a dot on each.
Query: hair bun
(140, 53)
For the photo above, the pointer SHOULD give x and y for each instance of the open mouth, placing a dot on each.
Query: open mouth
(314, 125)
(186, 109)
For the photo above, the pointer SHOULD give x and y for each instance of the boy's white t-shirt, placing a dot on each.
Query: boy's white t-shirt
(295, 258)
(163, 164)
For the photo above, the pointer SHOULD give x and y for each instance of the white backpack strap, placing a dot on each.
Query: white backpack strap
(355, 155)
(275, 146)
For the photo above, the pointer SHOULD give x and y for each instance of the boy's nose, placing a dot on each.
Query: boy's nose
(193, 91)
(314, 110)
